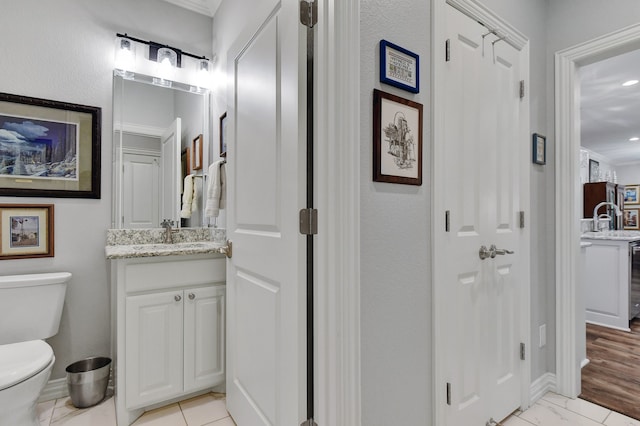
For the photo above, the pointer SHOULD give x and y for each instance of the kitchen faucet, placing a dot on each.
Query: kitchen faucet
(595, 212)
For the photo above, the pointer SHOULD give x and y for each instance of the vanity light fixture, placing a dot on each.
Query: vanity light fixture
(163, 65)
(630, 83)
(125, 58)
(634, 139)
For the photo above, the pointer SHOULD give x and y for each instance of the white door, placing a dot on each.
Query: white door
(265, 276)
(483, 148)
(170, 173)
(141, 176)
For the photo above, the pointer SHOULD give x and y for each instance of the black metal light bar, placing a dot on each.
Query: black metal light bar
(155, 46)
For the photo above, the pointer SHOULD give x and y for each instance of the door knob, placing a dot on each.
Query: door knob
(177, 298)
(192, 296)
(484, 252)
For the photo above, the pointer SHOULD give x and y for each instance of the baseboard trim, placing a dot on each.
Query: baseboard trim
(543, 384)
(54, 389)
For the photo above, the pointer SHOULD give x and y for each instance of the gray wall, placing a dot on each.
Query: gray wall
(64, 51)
(395, 237)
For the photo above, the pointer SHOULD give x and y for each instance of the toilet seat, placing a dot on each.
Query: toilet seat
(20, 361)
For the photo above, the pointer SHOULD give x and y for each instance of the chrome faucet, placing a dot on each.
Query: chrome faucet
(168, 232)
(595, 212)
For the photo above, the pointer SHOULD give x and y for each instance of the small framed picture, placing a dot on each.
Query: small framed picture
(397, 139)
(26, 231)
(196, 152)
(399, 67)
(631, 194)
(594, 171)
(630, 220)
(223, 135)
(539, 149)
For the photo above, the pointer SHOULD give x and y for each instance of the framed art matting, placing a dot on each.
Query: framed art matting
(397, 139)
(26, 231)
(48, 148)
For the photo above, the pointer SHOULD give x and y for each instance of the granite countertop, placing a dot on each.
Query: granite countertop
(130, 243)
(613, 235)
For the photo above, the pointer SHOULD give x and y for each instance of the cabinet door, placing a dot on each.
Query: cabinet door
(153, 354)
(204, 337)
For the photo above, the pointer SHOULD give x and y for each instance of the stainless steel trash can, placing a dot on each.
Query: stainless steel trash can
(87, 381)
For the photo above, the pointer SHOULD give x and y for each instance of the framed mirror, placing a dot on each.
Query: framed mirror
(153, 126)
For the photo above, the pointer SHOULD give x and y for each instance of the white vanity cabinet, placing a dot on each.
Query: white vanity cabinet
(169, 331)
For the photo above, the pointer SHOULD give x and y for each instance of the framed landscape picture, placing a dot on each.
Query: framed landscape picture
(48, 148)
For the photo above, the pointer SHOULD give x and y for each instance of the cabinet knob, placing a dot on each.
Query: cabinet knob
(192, 296)
(177, 298)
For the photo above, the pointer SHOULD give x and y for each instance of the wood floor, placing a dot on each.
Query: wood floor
(612, 377)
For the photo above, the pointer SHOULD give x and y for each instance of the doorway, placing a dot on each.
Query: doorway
(567, 118)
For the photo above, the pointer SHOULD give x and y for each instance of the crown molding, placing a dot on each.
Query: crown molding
(204, 7)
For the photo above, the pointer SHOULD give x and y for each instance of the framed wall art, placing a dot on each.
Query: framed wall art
(630, 219)
(631, 193)
(399, 67)
(196, 152)
(539, 144)
(594, 171)
(26, 231)
(48, 148)
(397, 139)
(223, 135)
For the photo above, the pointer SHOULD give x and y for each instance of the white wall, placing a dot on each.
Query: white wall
(64, 51)
(629, 174)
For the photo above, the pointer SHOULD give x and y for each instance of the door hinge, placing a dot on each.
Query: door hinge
(447, 50)
(309, 221)
(522, 350)
(447, 221)
(521, 89)
(521, 219)
(309, 13)
(448, 393)
(309, 422)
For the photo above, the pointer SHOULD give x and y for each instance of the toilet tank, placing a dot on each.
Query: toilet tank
(31, 306)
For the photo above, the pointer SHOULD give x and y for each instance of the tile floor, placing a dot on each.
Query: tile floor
(208, 409)
(555, 410)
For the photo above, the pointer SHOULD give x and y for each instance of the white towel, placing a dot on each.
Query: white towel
(216, 189)
(189, 204)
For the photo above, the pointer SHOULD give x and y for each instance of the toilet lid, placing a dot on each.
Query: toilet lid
(19, 361)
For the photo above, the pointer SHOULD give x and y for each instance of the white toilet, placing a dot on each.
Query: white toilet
(30, 310)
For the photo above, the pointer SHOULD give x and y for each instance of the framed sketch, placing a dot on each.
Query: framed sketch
(631, 193)
(594, 171)
(223, 135)
(397, 139)
(539, 149)
(196, 152)
(399, 67)
(48, 148)
(630, 220)
(26, 231)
